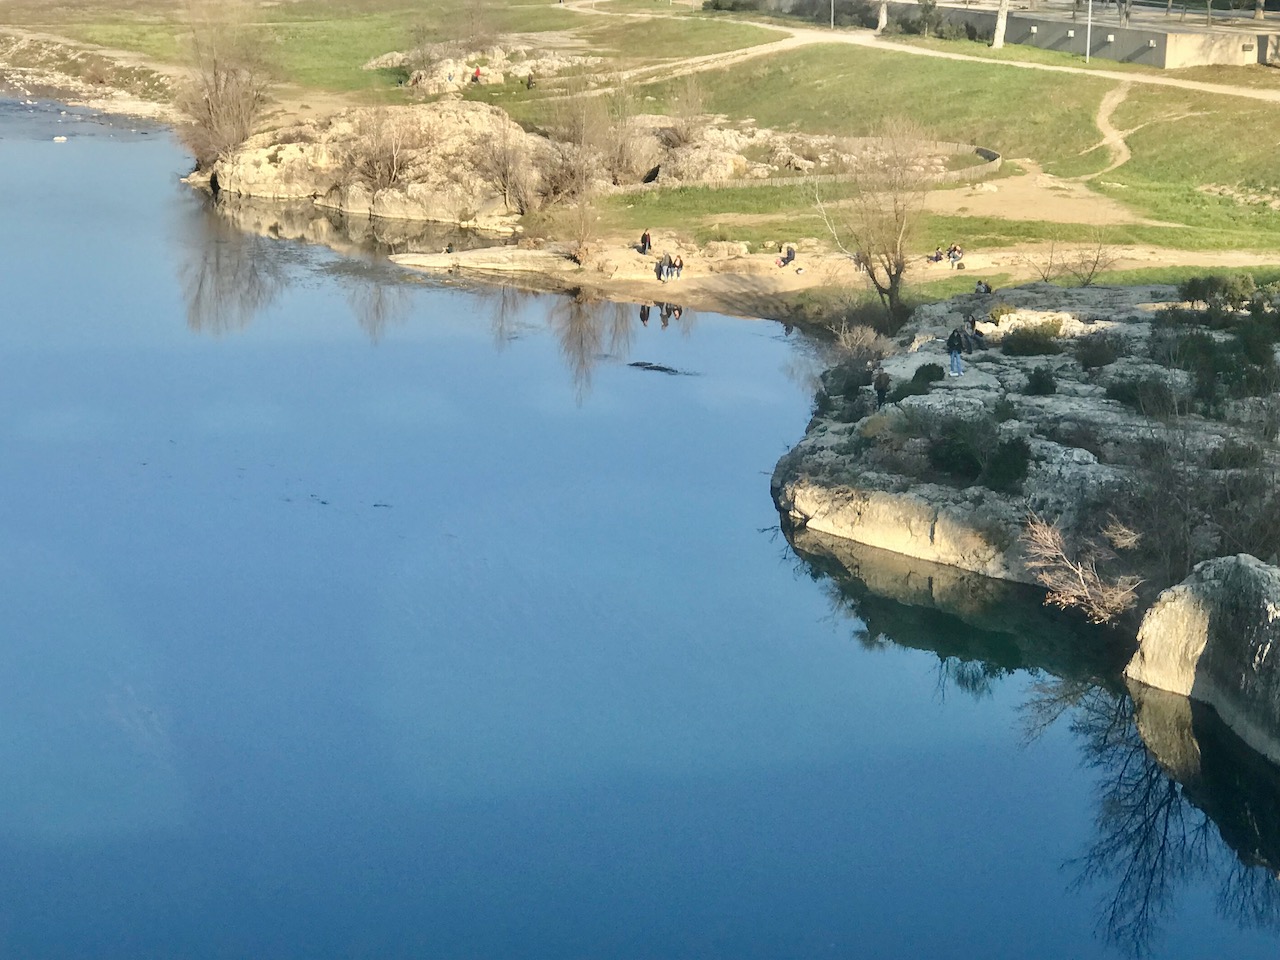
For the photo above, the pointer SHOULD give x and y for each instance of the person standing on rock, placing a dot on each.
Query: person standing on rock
(678, 266)
(646, 243)
(881, 383)
(955, 344)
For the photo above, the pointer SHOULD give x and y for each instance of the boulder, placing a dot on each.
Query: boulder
(1214, 637)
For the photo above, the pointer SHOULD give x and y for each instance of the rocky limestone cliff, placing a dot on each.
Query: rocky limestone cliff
(880, 478)
(1214, 637)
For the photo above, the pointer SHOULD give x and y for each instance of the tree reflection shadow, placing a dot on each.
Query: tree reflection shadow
(228, 276)
(1180, 799)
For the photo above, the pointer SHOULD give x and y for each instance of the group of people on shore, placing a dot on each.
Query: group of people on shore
(667, 267)
(954, 254)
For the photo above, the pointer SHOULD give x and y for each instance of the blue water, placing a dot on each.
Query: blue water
(351, 615)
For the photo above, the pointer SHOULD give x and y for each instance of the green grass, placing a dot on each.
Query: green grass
(848, 90)
(1020, 54)
(649, 40)
(1176, 275)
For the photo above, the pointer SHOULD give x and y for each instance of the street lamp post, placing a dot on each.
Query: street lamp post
(1088, 32)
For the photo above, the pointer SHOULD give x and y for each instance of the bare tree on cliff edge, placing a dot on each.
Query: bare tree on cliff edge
(874, 226)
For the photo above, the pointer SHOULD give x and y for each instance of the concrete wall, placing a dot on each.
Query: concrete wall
(1110, 41)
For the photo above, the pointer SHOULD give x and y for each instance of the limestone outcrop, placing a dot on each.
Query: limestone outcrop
(1215, 637)
(426, 162)
(949, 470)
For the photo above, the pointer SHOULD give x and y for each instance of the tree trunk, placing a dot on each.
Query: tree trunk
(1259, 9)
(1168, 9)
(1208, 13)
(882, 16)
(1002, 19)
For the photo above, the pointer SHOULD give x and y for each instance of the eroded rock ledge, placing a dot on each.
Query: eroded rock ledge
(1215, 637)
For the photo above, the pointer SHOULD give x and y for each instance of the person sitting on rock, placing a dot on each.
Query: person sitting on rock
(954, 255)
(475, 77)
(982, 287)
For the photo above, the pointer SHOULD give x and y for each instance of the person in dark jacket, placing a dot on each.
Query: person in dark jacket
(881, 383)
(955, 344)
(646, 243)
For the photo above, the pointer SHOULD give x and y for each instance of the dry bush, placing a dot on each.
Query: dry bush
(565, 174)
(384, 152)
(227, 91)
(687, 116)
(619, 145)
(858, 342)
(1047, 263)
(503, 162)
(1086, 262)
(1071, 575)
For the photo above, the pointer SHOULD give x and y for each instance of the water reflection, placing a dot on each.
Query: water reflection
(228, 276)
(234, 270)
(1180, 799)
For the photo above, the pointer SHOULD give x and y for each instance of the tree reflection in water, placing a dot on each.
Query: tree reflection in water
(1180, 799)
(228, 276)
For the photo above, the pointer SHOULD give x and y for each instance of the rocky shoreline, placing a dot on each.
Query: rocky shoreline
(1135, 429)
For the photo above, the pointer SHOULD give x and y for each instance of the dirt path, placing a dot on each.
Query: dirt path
(1112, 139)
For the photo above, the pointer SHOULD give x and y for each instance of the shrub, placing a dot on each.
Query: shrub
(928, 373)
(1041, 382)
(1000, 311)
(955, 454)
(969, 452)
(1099, 349)
(1233, 455)
(1007, 466)
(1231, 290)
(909, 388)
(1151, 396)
(1004, 409)
(1032, 340)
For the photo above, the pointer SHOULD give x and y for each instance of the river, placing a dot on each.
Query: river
(350, 614)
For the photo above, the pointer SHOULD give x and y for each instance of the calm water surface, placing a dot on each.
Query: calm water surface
(355, 616)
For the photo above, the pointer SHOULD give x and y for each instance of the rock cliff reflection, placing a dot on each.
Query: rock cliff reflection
(233, 270)
(1179, 798)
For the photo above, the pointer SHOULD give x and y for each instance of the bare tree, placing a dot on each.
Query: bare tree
(1095, 257)
(876, 226)
(227, 91)
(504, 163)
(688, 112)
(620, 146)
(1047, 264)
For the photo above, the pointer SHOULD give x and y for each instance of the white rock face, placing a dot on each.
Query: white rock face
(1216, 637)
